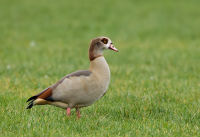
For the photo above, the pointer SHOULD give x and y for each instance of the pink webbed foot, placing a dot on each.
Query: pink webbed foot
(68, 111)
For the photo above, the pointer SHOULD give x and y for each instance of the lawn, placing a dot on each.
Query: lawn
(155, 76)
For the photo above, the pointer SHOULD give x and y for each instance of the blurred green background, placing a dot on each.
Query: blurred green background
(155, 76)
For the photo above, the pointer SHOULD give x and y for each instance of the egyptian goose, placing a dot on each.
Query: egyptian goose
(81, 88)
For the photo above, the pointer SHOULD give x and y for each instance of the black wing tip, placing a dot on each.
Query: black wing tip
(31, 102)
(30, 106)
(31, 98)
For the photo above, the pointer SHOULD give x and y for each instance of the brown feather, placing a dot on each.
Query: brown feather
(94, 46)
(47, 93)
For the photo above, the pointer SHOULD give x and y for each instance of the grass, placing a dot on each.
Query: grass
(154, 88)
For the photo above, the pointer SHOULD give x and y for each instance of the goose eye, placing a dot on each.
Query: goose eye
(104, 40)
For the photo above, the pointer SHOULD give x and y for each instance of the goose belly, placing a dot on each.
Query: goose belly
(80, 91)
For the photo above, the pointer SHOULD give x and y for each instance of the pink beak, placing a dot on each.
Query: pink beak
(112, 47)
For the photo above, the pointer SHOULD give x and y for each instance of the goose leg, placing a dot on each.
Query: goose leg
(68, 111)
(78, 113)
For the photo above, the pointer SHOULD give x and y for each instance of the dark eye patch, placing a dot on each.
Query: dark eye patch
(104, 40)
